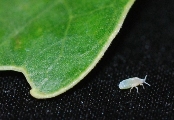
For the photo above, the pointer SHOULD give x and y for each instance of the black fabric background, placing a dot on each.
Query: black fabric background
(144, 46)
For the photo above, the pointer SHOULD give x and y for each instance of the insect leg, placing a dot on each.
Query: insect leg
(131, 88)
(142, 85)
(137, 89)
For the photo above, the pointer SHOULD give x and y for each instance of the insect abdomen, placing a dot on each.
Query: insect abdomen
(125, 84)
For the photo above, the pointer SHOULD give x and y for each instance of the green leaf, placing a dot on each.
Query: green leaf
(56, 43)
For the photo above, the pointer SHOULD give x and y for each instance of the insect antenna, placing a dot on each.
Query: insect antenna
(145, 81)
(145, 78)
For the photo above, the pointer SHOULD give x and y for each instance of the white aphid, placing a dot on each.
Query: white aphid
(132, 82)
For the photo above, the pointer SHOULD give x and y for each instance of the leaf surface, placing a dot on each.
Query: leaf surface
(56, 43)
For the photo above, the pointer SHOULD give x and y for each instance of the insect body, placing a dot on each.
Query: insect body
(132, 82)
